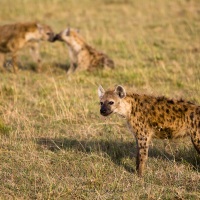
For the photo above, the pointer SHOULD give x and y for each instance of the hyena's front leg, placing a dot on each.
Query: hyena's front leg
(142, 153)
(72, 68)
(34, 50)
(2, 57)
(14, 62)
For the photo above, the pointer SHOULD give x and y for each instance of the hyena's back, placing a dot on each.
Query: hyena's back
(99, 59)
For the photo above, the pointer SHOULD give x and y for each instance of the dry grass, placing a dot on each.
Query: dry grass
(55, 145)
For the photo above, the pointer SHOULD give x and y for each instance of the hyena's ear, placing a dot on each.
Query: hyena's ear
(101, 91)
(67, 31)
(40, 27)
(120, 91)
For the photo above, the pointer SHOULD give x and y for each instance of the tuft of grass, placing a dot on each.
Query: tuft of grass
(4, 130)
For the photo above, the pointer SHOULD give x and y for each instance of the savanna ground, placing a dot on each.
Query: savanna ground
(55, 145)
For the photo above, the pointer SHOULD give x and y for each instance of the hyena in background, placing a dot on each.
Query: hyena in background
(82, 56)
(152, 117)
(15, 36)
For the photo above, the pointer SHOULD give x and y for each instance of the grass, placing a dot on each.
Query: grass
(54, 143)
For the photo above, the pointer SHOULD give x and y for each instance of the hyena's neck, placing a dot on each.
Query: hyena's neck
(124, 110)
(76, 46)
(31, 36)
(129, 104)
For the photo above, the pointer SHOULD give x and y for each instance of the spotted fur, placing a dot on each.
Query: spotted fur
(152, 117)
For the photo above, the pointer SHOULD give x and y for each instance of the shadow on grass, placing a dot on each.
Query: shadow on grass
(33, 66)
(117, 150)
(8, 66)
(62, 66)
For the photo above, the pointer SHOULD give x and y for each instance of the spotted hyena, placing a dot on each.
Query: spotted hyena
(82, 56)
(13, 37)
(152, 117)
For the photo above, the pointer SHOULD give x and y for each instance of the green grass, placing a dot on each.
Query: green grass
(54, 143)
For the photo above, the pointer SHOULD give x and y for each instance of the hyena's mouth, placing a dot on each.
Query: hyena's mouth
(51, 37)
(105, 113)
(57, 37)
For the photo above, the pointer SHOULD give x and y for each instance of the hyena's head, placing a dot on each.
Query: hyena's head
(111, 101)
(45, 32)
(71, 37)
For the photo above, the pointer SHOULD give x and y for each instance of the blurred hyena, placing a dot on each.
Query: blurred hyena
(152, 117)
(82, 56)
(13, 37)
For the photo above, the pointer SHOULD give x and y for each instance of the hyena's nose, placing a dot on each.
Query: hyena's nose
(103, 111)
(56, 37)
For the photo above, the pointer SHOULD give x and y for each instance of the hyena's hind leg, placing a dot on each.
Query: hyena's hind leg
(195, 137)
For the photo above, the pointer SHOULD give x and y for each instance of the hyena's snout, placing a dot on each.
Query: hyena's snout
(51, 37)
(57, 37)
(105, 110)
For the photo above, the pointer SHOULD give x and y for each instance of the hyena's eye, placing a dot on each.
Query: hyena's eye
(111, 103)
(101, 103)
